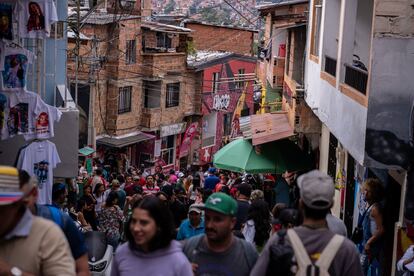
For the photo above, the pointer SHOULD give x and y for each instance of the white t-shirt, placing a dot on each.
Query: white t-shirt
(15, 65)
(36, 17)
(20, 118)
(8, 15)
(44, 118)
(39, 159)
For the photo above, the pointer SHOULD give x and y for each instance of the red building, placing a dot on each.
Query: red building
(226, 94)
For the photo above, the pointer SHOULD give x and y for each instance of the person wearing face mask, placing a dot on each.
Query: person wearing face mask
(150, 248)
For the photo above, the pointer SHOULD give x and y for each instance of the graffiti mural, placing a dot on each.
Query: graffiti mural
(390, 121)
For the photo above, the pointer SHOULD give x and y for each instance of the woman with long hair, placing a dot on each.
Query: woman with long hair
(150, 248)
(110, 219)
(372, 226)
(89, 211)
(257, 227)
(99, 195)
(36, 18)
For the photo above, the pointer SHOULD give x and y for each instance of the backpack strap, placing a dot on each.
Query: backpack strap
(56, 215)
(191, 246)
(301, 254)
(328, 254)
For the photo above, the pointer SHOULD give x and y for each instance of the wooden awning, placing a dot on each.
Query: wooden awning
(270, 127)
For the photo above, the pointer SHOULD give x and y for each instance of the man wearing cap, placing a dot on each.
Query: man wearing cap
(29, 245)
(212, 180)
(192, 226)
(316, 191)
(218, 251)
(73, 235)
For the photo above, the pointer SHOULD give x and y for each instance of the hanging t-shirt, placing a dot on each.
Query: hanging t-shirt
(44, 118)
(15, 67)
(39, 159)
(20, 117)
(36, 18)
(7, 15)
(4, 114)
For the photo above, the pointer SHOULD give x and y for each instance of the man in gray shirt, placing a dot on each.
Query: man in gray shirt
(218, 252)
(316, 191)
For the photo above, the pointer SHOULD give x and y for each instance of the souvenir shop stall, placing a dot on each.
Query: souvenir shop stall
(28, 123)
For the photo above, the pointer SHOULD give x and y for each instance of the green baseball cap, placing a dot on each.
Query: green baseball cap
(221, 203)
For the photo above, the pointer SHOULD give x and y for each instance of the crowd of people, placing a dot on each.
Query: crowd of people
(200, 222)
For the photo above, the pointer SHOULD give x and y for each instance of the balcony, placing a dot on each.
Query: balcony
(330, 66)
(356, 78)
(160, 64)
(151, 118)
(278, 71)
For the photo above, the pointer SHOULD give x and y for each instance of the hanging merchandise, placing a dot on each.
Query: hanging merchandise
(36, 18)
(21, 113)
(7, 15)
(44, 118)
(39, 159)
(15, 66)
(4, 111)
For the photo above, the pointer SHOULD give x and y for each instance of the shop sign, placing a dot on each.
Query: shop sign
(172, 129)
(221, 101)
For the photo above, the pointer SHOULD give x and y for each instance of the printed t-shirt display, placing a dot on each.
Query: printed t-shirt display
(7, 16)
(14, 66)
(39, 159)
(36, 18)
(44, 118)
(4, 114)
(20, 117)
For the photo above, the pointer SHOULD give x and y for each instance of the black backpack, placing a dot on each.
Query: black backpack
(280, 257)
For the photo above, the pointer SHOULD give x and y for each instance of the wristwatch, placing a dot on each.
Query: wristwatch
(15, 271)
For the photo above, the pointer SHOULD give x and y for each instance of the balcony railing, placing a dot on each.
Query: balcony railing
(356, 78)
(162, 63)
(151, 118)
(330, 66)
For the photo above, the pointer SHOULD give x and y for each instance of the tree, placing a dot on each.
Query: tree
(170, 7)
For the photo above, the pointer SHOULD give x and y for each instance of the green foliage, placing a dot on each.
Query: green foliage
(190, 48)
(170, 7)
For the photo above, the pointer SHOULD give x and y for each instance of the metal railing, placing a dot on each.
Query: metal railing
(330, 66)
(356, 78)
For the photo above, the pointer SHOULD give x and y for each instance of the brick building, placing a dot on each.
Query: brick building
(133, 88)
(209, 37)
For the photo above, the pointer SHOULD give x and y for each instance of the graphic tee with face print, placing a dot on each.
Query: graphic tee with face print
(15, 65)
(36, 18)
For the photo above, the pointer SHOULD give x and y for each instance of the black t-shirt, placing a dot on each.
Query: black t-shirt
(242, 210)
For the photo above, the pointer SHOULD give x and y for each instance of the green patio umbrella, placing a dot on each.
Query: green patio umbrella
(86, 151)
(274, 157)
(240, 156)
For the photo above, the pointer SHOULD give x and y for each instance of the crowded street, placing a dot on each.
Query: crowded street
(206, 138)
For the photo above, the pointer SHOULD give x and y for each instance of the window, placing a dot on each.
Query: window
(124, 100)
(227, 124)
(173, 95)
(209, 130)
(131, 51)
(167, 149)
(152, 94)
(216, 82)
(163, 40)
(316, 27)
(240, 76)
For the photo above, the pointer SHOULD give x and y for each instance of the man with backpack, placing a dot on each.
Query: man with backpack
(310, 249)
(63, 220)
(218, 251)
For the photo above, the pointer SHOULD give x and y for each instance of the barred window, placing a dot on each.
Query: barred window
(173, 95)
(131, 51)
(124, 101)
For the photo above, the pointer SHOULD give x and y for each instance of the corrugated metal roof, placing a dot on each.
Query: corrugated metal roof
(124, 140)
(161, 27)
(280, 3)
(201, 57)
(106, 18)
